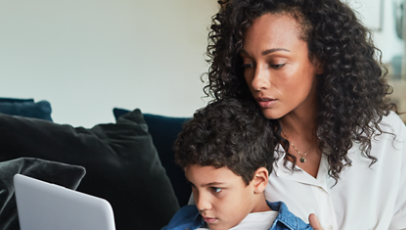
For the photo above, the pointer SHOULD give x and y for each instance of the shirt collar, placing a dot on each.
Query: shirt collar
(186, 217)
(299, 175)
(284, 216)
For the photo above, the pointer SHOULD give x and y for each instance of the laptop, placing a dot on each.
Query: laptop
(45, 206)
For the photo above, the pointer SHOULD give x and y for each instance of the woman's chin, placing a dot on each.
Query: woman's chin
(271, 114)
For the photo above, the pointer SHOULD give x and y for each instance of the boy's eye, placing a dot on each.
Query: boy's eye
(216, 190)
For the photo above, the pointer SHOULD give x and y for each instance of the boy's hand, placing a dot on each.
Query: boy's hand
(314, 222)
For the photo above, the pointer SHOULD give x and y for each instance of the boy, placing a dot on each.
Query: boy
(226, 151)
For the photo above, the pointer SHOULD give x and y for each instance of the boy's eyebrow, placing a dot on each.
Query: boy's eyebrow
(215, 183)
(206, 185)
(188, 182)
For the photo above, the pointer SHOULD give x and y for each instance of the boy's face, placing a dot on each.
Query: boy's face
(222, 198)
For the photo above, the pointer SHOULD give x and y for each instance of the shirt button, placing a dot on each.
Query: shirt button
(320, 188)
(330, 227)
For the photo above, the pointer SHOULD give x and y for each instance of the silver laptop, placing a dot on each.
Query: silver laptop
(45, 206)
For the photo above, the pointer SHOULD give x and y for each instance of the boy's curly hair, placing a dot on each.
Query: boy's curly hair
(351, 93)
(227, 133)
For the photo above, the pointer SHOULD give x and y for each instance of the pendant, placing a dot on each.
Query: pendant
(302, 159)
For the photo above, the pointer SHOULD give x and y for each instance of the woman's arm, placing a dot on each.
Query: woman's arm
(399, 215)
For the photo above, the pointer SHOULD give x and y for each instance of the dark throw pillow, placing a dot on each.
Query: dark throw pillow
(6, 99)
(66, 175)
(122, 164)
(164, 131)
(26, 108)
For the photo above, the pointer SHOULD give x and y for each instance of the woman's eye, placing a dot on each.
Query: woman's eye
(246, 66)
(278, 66)
(216, 190)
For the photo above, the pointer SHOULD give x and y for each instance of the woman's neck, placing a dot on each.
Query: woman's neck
(299, 124)
(299, 127)
(302, 120)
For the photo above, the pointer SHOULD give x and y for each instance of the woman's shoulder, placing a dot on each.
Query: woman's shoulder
(392, 124)
(392, 117)
(391, 141)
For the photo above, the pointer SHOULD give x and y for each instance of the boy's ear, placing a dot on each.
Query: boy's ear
(260, 180)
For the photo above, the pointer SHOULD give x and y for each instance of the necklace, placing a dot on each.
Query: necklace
(302, 156)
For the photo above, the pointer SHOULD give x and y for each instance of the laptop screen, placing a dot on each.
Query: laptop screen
(45, 206)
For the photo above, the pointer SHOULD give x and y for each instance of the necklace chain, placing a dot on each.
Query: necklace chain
(302, 156)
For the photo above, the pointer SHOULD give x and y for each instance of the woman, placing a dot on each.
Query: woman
(313, 69)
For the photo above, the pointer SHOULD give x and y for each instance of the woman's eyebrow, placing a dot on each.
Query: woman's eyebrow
(265, 52)
(243, 51)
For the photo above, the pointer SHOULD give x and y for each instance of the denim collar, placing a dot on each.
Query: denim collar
(284, 215)
(189, 218)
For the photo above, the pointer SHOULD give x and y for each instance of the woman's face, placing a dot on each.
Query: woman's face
(277, 68)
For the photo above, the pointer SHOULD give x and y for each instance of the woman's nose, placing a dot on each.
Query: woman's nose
(261, 78)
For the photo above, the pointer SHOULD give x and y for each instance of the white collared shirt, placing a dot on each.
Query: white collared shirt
(255, 220)
(364, 198)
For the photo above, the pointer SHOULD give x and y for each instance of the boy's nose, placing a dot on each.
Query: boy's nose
(202, 202)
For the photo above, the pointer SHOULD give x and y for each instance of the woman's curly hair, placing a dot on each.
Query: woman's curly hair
(351, 93)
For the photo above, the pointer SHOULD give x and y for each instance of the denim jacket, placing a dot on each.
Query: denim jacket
(188, 218)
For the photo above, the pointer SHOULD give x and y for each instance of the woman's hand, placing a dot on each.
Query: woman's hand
(314, 222)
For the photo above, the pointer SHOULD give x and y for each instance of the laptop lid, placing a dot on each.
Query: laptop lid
(45, 206)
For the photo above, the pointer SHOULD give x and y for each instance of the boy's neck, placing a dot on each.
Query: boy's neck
(262, 205)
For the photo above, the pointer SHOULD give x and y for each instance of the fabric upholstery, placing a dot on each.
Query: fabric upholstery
(164, 131)
(66, 175)
(6, 99)
(26, 108)
(120, 159)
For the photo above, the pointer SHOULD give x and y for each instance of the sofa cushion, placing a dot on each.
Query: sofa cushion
(26, 108)
(120, 159)
(164, 131)
(7, 99)
(66, 175)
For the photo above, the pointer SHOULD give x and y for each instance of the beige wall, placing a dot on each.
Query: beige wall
(88, 56)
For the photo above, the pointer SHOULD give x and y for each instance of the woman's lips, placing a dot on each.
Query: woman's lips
(265, 102)
(210, 220)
